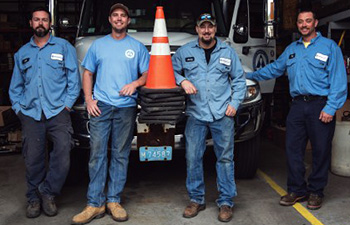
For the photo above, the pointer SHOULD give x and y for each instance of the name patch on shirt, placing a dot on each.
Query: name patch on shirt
(56, 56)
(24, 61)
(291, 56)
(189, 59)
(225, 61)
(321, 57)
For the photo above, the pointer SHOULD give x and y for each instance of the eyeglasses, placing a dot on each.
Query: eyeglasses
(205, 16)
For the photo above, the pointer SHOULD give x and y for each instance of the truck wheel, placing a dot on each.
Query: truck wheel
(247, 158)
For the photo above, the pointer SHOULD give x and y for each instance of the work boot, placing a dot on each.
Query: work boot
(117, 211)
(225, 214)
(33, 209)
(193, 209)
(291, 199)
(314, 202)
(88, 214)
(49, 205)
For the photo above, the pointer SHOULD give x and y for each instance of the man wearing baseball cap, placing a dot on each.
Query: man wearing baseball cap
(116, 59)
(211, 74)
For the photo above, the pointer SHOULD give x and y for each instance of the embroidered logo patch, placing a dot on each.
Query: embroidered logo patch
(225, 61)
(321, 57)
(24, 61)
(130, 53)
(189, 59)
(56, 56)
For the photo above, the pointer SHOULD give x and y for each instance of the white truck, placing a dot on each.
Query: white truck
(246, 25)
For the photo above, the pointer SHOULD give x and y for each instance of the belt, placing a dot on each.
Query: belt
(307, 98)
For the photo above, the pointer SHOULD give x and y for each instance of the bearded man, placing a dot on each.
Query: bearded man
(44, 86)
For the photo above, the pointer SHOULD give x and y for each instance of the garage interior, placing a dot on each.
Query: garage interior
(155, 192)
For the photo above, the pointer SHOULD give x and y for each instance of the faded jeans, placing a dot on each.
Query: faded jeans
(120, 122)
(222, 132)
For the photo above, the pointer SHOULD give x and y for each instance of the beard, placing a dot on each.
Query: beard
(41, 31)
(207, 42)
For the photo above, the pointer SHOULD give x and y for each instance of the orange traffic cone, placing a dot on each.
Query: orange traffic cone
(160, 72)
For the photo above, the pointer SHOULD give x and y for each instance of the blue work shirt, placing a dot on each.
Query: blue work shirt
(316, 70)
(117, 63)
(219, 83)
(45, 80)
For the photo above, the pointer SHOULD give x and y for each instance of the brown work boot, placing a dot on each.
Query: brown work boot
(33, 209)
(225, 214)
(314, 202)
(117, 211)
(193, 209)
(291, 199)
(88, 214)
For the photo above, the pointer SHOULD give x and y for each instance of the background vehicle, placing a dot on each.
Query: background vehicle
(246, 25)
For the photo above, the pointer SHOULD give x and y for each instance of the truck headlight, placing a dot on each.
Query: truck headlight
(252, 92)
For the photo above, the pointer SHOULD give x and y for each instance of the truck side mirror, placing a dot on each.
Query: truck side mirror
(240, 29)
(270, 21)
(65, 23)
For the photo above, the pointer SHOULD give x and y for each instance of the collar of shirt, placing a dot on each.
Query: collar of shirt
(318, 35)
(219, 45)
(50, 41)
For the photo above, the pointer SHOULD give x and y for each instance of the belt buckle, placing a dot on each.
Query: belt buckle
(306, 98)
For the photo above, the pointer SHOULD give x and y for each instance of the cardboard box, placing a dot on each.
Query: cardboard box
(2, 109)
(3, 18)
(14, 136)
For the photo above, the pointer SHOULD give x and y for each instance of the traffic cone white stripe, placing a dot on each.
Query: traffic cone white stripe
(160, 49)
(160, 28)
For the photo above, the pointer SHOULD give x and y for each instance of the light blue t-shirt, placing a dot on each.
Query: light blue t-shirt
(116, 63)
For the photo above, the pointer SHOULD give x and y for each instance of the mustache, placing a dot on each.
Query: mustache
(206, 33)
(40, 26)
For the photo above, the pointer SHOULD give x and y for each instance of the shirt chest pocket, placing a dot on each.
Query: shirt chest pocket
(318, 68)
(56, 69)
(191, 70)
(222, 73)
(27, 71)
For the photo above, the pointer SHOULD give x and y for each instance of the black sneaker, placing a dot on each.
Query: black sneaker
(314, 202)
(33, 210)
(48, 204)
(291, 199)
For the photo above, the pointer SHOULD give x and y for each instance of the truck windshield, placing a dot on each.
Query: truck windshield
(180, 15)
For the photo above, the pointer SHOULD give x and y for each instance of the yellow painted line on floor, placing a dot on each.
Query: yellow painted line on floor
(297, 206)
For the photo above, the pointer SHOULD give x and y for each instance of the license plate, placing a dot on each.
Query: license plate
(160, 153)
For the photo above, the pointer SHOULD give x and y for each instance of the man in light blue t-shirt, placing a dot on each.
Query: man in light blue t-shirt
(117, 60)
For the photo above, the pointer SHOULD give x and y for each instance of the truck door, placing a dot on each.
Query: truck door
(248, 35)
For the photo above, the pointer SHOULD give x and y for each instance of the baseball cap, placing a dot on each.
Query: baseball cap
(206, 17)
(119, 6)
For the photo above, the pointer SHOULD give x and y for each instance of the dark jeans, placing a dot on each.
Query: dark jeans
(302, 124)
(34, 133)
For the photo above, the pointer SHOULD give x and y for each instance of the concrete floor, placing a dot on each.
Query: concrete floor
(155, 194)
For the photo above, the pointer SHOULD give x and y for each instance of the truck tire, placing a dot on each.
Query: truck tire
(247, 158)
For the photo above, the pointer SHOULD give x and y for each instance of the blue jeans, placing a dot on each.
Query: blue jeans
(302, 124)
(59, 129)
(121, 122)
(222, 132)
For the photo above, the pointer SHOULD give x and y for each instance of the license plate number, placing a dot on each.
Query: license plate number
(159, 153)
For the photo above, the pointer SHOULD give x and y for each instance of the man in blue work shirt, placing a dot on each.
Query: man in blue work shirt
(44, 86)
(318, 86)
(117, 60)
(211, 73)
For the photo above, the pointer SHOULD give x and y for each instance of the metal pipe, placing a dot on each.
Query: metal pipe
(53, 11)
